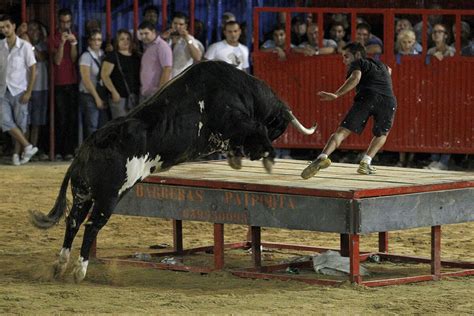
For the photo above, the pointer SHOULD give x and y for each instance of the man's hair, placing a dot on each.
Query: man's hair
(230, 23)
(6, 17)
(354, 48)
(365, 26)
(151, 8)
(147, 25)
(181, 15)
(338, 23)
(64, 11)
(279, 27)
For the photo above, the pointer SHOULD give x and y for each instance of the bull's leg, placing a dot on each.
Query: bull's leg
(234, 157)
(75, 218)
(258, 145)
(103, 209)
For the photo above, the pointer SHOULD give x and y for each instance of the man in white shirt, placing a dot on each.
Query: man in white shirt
(17, 77)
(186, 49)
(230, 50)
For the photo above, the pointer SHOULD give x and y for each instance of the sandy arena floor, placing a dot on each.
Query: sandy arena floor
(26, 255)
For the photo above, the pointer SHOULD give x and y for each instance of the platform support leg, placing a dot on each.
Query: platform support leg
(218, 246)
(436, 251)
(345, 245)
(178, 235)
(354, 259)
(383, 242)
(256, 249)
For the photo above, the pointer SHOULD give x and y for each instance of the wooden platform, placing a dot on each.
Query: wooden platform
(336, 200)
(339, 180)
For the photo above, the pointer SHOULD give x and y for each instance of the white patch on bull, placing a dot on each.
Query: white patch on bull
(64, 255)
(199, 130)
(80, 269)
(138, 168)
(201, 106)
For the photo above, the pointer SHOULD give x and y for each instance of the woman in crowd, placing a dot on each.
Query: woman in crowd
(121, 74)
(406, 45)
(89, 64)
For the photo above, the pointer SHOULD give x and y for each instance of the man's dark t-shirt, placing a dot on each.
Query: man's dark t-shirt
(131, 70)
(375, 77)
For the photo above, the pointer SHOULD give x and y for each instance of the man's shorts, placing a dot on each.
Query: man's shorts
(381, 107)
(14, 114)
(38, 108)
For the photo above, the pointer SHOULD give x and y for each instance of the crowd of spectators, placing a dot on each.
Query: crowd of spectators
(134, 66)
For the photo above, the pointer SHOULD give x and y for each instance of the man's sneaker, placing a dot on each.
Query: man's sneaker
(29, 152)
(314, 167)
(16, 160)
(365, 168)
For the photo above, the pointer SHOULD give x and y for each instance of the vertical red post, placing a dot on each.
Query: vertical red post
(108, 20)
(288, 30)
(344, 245)
(177, 235)
(52, 28)
(24, 16)
(256, 247)
(192, 5)
(354, 24)
(218, 246)
(135, 17)
(256, 28)
(436, 251)
(164, 15)
(354, 258)
(320, 29)
(383, 242)
(457, 36)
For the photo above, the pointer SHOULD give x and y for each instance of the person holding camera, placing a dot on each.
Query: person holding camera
(65, 85)
(186, 49)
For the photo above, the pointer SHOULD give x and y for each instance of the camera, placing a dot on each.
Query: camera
(175, 33)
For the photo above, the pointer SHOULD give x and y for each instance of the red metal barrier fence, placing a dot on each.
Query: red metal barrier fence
(435, 98)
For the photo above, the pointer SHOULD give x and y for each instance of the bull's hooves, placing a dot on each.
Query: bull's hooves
(59, 269)
(79, 274)
(235, 162)
(268, 164)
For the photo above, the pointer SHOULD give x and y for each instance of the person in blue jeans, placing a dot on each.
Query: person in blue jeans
(94, 107)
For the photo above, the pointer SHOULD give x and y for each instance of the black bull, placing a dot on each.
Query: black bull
(211, 107)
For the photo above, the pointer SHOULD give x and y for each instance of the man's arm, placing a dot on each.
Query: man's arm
(165, 76)
(347, 86)
(72, 39)
(31, 81)
(59, 52)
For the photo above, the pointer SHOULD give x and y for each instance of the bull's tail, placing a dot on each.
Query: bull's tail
(43, 221)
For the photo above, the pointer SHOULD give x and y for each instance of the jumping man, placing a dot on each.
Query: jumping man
(374, 97)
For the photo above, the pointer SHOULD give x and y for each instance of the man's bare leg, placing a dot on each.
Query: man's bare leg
(375, 145)
(20, 139)
(335, 140)
(322, 161)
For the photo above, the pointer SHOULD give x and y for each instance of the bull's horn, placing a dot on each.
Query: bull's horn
(300, 127)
